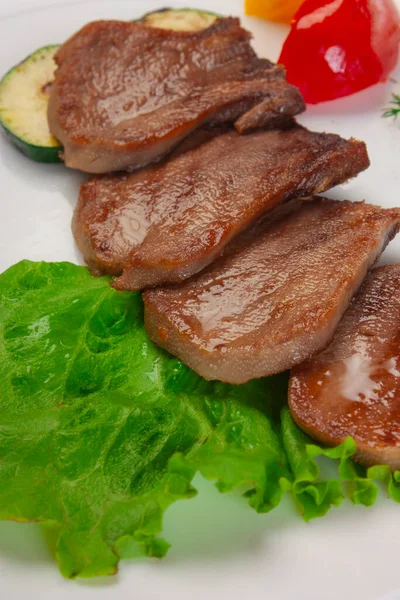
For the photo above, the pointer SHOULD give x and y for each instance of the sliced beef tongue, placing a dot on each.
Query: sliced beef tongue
(353, 386)
(167, 222)
(126, 94)
(277, 294)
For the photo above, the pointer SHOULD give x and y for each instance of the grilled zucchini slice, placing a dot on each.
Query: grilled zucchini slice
(181, 19)
(24, 94)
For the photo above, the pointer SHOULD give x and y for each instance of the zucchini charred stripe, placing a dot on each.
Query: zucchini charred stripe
(23, 106)
(181, 19)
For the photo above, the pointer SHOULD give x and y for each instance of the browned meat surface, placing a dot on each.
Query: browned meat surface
(169, 221)
(125, 94)
(276, 296)
(353, 386)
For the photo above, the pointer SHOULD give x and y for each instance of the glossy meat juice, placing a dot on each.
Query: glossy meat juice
(125, 94)
(277, 294)
(167, 222)
(352, 388)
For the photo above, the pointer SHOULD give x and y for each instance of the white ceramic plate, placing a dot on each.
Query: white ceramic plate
(220, 548)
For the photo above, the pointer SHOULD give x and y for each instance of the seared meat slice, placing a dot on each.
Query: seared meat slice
(353, 386)
(277, 294)
(125, 94)
(169, 221)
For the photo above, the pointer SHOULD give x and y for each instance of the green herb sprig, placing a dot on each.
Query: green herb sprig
(394, 110)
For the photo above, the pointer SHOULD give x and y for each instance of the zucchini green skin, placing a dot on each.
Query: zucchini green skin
(42, 154)
(39, 153)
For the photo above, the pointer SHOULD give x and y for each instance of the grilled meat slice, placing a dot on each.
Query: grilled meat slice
(126, 94)
(353, 386)
(170, 220)
(277, 294)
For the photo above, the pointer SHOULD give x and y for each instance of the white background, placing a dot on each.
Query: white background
(221, 549)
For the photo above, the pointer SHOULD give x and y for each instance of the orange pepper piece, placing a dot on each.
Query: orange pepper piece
(272, 10)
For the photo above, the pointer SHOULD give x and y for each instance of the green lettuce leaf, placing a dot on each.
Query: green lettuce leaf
(316, 493)
(100, 431)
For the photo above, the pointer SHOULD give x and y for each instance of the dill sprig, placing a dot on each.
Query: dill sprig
(393, 111)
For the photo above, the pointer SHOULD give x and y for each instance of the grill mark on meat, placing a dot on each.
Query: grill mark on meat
(170, 220)
(352, 388)
(276, 295)
(125, 94)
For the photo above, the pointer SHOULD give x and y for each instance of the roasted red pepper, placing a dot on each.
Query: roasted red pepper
(338, 47)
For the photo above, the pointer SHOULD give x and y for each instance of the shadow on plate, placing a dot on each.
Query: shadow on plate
(211, 525)
(372, 99)
(41, 176)
(218, 526)
(23, 543)
(212, 529)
